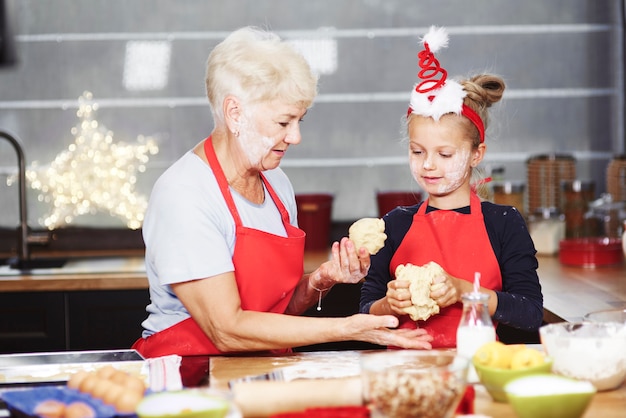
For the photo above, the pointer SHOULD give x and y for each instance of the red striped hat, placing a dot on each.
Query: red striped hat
(434, 95)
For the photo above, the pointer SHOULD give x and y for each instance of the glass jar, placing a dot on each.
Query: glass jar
(624, 238)
(577, 194)
(509, 193)
(544, 176)
(616, 178)
(475, 327)
(608, 215)
(547, 229)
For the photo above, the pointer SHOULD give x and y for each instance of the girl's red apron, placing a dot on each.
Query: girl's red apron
(267, 269)
(457, 242)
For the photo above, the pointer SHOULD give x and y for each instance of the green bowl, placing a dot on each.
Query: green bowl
(549, 396)
(494, 379)
(182, 404)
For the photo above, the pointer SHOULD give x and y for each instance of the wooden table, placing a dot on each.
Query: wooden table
(571, 292)
(611, 404)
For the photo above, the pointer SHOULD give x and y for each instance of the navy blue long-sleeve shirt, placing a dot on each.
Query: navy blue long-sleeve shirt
(520, 302)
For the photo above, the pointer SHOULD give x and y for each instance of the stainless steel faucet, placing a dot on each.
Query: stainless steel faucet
(24, 261)
(23, 252)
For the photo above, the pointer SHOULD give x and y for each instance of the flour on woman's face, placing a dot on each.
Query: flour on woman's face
(254, 145)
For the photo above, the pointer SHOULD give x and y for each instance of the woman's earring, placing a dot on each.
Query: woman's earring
(236, 132)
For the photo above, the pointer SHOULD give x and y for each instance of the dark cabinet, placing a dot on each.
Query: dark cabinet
(32, 322)
(71, 320)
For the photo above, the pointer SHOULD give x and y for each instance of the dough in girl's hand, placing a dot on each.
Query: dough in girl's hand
(368, 233)
(421, 279)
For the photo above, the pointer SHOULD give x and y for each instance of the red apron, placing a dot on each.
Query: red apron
(267, 269)
(457, 242)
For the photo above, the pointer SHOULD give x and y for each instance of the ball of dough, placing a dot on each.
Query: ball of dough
(421, 279)
(368, 233)
(50, 408)
(79, 409)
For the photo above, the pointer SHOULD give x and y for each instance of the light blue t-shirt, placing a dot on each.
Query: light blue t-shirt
(189, 232)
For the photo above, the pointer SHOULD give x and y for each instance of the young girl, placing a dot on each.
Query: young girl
(446, 122)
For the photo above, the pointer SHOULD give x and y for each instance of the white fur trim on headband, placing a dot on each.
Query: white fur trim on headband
(436, 38)
(446, 99)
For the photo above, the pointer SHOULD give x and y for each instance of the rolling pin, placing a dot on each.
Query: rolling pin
(258, 399)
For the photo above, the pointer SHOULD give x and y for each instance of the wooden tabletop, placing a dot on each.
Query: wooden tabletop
(571, 292)
(609, 404)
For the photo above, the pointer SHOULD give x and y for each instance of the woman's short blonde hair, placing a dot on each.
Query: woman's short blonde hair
(257, 66)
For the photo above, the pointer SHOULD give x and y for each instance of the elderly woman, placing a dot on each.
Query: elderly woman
(224, 255)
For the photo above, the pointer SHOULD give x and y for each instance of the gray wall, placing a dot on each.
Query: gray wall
(562, 60)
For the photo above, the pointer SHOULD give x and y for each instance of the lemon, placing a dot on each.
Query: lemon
(525, 358)
(517, 347)
(494, 354)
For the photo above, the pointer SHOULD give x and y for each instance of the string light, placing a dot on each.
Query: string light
(95, 174)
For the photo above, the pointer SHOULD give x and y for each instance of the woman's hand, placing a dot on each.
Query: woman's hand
(347, 265)
(379, 329)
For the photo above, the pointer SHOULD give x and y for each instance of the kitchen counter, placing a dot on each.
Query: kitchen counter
(569, 292)
(114, 273)
(99, 273)
(610, 404)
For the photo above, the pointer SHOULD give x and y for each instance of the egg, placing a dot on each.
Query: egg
(76, 379)
(114, 392)
(101, 388)
(79, 410)
(50, 409)
(127, 402)
(119, 377)
(135, 384)
(106, 372)
(88, 383)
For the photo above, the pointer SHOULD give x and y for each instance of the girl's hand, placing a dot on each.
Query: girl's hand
(398, 296)
(445, 290)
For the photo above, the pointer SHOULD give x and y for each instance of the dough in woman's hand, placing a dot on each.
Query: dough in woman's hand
(368, 233)
(421, 279)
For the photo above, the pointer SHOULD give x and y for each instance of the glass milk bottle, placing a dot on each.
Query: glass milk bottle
(475, 328)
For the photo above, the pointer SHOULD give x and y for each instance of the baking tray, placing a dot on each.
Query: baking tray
(56, 367)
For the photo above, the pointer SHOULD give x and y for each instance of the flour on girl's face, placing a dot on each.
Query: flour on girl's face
(453, 171)
(456, 173)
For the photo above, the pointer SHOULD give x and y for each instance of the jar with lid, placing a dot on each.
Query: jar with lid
(577, 194)
(624, 238)
(509, 193)
(608, 215)
(547, 229)
(475, 327)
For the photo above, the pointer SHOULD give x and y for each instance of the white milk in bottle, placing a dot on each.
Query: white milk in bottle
(475, 328)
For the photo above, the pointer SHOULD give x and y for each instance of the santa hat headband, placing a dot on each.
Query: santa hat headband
(435, 95)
